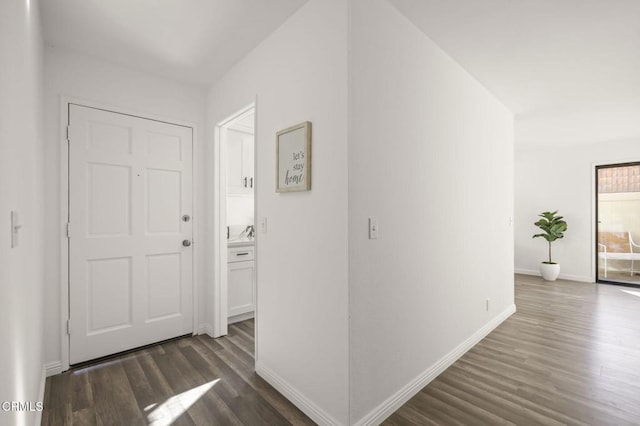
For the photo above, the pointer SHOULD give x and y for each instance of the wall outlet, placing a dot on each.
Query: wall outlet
(263, 225)
(487, 305)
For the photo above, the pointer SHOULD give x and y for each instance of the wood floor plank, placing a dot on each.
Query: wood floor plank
(157, 382)
(190, 381)
(410, 417)
(463, 412)
(443, 398)
(46, 402)
(219, 411)
(142, 390)
(425, 405)
(239, 352)
(85, 416)
(242, 340)
(209, 408)
(113, 398)
(279, 402)
(249, 326)
(58, 393)
(569, 355)
(82, 395)
(500, 401)
(246, 330)
(250, 407)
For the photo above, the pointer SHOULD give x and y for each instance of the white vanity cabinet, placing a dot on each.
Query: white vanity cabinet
(240, 174)
(241, 278)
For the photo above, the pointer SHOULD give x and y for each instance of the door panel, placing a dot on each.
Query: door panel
(109, 199)
(164, 147)
(130, 277)
(109, 294)
(106, 138)
(163, 201)
(164, 285)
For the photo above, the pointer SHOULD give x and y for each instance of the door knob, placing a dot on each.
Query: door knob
(186, 243)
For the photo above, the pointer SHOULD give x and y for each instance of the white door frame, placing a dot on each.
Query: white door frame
(64, 210)
(219, 266)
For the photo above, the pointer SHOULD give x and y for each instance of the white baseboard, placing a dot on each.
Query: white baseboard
(527, 272)
(578, 278)
(314, 412)
(391, 404)
(568, 277)
(53, 368)
(205, 328)
(241, 317)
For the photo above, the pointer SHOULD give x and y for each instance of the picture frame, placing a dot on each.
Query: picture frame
(293, 158)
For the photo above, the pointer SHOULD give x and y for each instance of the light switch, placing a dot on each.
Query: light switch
(263, 225)
(373, 228)
(15, 227)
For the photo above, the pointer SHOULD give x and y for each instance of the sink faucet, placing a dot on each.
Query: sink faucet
(248, 232)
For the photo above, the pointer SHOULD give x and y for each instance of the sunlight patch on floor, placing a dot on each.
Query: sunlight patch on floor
(169, 411)
(632, 292)
(93, 367)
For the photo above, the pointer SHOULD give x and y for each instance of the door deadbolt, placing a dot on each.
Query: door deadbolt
(186, 243)
(186, 218)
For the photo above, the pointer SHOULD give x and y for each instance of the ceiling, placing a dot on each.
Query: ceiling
(569, 69)
(193, 41)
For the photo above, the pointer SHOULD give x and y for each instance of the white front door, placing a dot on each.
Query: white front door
(130, 208)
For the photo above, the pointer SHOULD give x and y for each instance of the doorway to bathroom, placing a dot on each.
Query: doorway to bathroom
(237, 183)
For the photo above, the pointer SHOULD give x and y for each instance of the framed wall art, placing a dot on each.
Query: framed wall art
(293, 158)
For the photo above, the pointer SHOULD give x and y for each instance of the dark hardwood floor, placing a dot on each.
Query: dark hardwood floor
(190, 381)
(570, 355)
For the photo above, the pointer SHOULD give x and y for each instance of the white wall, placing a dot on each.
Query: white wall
(21, 189)
(431, 157)
(560, 177)
(240, 210)
(73, 75)
(580, 124)
(300, 73)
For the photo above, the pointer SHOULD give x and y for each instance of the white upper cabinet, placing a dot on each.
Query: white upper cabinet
(240, 173)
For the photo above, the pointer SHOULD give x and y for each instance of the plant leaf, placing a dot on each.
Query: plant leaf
(553, 226)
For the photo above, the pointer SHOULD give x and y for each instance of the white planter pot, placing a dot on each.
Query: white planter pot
(549, 271)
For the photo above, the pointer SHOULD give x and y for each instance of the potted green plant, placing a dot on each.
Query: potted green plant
(554, 227)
